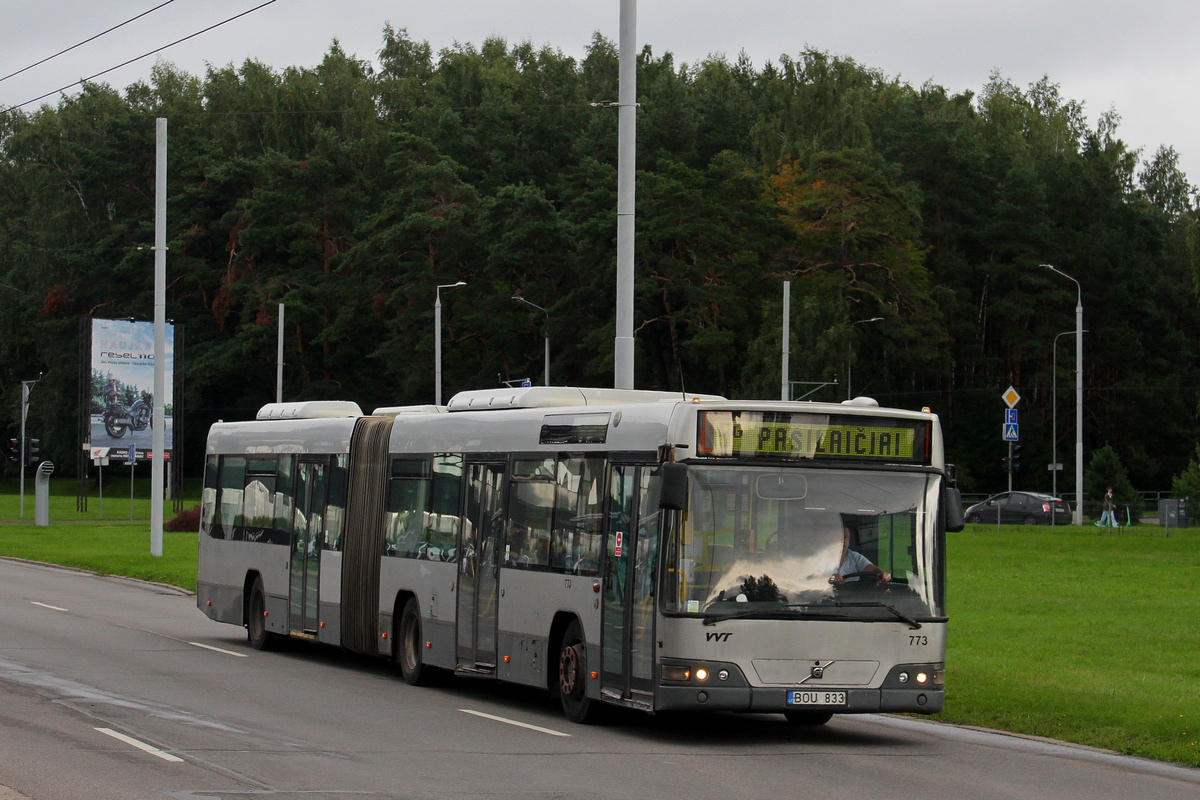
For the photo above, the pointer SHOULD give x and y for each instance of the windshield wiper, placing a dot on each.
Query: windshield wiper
(783, 612)
(912, 623)
(807, 611)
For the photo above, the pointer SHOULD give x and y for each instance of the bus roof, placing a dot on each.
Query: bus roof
(557, 396)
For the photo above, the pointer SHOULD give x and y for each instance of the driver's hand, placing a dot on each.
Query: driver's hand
(885, 576)
(836, 578)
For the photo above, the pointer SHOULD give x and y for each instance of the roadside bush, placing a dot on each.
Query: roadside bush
(186, 521)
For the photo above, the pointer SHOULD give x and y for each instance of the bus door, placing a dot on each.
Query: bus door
(479, 543)
(310, 495)
(627, 633)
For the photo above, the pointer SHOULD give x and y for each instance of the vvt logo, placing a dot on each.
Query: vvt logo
(713, 636)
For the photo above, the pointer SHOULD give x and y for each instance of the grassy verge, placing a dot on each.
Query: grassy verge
(1071, 634)
(1078, 635)
(102, 538)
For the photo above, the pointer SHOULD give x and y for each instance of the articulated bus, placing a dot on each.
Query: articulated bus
(649, 550)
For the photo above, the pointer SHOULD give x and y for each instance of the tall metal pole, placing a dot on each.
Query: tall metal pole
(546, 334)
(850, 347)
(437, 340)
(1054, 465)
(785, 388)
(626, 165)
(1079, 407)
(1078, 515)
(437, 348)
(158, 437)
(279, 360)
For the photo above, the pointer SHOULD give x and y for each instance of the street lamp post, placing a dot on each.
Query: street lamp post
(850, 347)
(546, 333)
(1054, 465)
(437, 340)
(1078, 516)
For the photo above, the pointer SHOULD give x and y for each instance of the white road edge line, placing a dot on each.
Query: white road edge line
(514, 722)
(154, 751)
(218, 650)
(46, 605)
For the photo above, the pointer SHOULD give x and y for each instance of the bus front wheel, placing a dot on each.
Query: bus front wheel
(572, 677)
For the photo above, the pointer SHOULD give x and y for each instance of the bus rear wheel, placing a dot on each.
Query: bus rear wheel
(409, 660)
(572, 677)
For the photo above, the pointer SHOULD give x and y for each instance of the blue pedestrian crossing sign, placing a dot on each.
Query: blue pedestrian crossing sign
(1011, 432)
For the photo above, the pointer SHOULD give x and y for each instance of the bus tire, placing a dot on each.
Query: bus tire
(811, 718)
(573, 676)
(256, 620)
(409, 661)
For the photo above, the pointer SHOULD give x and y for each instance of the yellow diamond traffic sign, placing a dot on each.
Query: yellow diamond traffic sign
(1011, 397)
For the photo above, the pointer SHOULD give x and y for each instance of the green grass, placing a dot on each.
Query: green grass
(1072, 634)
(107, 543)
(1078, 635)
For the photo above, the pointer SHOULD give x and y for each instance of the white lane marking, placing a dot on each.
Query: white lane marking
(46, 605)
(514, 722)
(129, 740)
(218, 650)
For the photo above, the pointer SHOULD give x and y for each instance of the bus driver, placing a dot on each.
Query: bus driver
(855, 564)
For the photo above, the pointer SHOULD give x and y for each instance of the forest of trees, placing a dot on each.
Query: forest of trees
(349, 190)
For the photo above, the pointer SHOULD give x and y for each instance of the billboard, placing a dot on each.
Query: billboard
(121, 401)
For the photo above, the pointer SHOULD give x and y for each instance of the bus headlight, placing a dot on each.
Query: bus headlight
(922, 677)
(701, 674)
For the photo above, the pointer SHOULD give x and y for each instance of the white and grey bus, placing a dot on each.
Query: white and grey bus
(643, 549)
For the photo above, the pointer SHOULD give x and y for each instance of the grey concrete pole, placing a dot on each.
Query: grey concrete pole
(159, 418)
(626, 166)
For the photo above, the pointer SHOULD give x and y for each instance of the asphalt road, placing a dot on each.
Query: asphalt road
(115, 689)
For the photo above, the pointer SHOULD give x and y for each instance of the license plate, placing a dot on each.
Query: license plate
(811, 698)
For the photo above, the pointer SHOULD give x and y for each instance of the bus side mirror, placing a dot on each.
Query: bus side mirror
(674, 487)
(952, 503)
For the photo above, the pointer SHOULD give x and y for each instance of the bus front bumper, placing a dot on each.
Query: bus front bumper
(926, 700)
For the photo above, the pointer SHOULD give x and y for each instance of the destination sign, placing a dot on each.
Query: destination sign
(758, 434)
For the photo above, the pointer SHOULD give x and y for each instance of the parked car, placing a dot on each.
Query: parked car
(1021, 508)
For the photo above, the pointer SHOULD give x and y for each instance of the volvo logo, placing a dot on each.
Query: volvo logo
(817, 672)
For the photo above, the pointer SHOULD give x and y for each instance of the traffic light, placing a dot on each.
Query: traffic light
(13, 451)
(1016, 457)
(31, 451)
(1004, 463)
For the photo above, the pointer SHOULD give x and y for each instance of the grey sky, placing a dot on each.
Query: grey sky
(1139, 58)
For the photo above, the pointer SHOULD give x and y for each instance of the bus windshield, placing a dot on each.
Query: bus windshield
(813, 543)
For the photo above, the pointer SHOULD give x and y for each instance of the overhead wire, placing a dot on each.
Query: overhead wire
(143, 55)
(85, 41)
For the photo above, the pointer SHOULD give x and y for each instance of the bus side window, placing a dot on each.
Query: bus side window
(232, 483)
(281, 529)
(208, 498)
(441, 523)
(408, 492)
(258, 499)
(531, 502)
(336, 504)
(578, 524)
